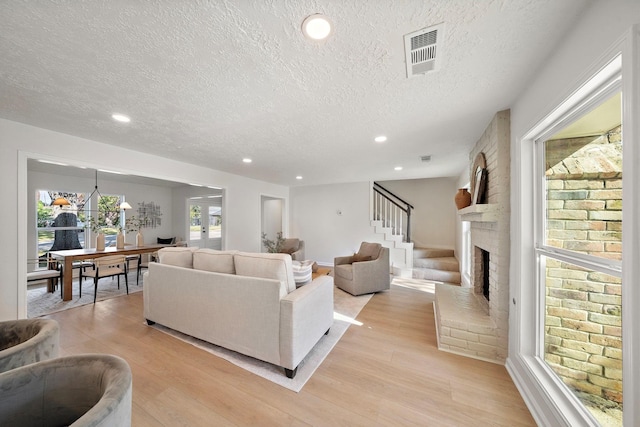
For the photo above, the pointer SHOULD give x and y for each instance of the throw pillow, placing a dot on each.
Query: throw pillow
(360, 258)
(301, 272)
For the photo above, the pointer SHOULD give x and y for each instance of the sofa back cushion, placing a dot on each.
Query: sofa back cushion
(216, 261)
(268, 266)
(289, 246)
(369, 250)
(180, 257)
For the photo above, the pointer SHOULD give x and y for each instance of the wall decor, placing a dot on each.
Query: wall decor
(481, 182)
(150, 214)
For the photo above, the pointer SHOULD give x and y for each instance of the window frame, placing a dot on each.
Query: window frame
(544, 393)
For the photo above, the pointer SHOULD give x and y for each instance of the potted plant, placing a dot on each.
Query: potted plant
(136, 224)
(273, 246)
(120, 238)
(96, 228)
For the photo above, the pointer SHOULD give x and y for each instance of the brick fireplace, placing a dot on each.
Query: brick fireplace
(468, 322)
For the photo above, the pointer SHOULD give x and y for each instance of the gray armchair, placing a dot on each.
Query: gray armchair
(364, 272)
(81, 391)
(27, 341)
(294, 247)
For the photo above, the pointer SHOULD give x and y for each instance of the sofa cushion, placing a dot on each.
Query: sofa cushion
(344, 270)
(216, 261)
(268, 266)
(180, 257)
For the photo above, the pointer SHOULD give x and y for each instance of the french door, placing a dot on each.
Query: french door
(205, 223)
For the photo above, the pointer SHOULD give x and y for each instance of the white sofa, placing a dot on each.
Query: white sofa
(246, 302)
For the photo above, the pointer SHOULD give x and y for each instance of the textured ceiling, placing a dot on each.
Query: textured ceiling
(212, 82)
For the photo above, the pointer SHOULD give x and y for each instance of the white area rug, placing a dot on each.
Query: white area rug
(346, 309)
(40, 302)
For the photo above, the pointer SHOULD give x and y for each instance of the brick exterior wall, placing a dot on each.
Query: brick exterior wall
(583, 335)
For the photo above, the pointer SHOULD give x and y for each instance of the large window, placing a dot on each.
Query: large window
(58, 227)
(578, 246)
(69, 226)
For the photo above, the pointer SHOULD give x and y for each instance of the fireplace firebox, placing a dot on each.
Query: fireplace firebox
(485, 273)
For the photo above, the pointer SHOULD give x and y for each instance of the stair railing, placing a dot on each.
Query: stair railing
(392, 211)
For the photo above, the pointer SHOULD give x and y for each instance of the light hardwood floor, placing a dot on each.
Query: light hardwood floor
(386, 372)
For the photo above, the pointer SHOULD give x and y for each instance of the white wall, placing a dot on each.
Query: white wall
(433, 221)
(315, 219)
(595, 32)
(19, 142)
(463, 181)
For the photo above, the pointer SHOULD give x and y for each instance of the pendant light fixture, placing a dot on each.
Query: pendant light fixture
(60, 201)
(122, 206)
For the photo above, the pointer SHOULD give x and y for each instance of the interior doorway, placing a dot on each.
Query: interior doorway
(272, 213)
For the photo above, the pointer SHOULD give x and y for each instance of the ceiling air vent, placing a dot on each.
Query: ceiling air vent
(425, 158)
(423, 50)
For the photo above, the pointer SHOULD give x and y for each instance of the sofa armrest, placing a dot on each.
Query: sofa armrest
(306, 314)
(343, 260)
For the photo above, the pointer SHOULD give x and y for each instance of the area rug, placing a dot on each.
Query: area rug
(346, 309)
(40, 302)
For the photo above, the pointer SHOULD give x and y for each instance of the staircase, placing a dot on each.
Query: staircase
(392, 226)
(436, 264)
(400, 252)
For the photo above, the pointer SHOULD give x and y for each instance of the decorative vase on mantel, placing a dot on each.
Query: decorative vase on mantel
(139, 239)
(100, 242)
(120, 240)
(462, 198)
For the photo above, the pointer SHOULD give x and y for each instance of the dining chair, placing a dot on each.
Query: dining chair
(143, 262)
(107, 266)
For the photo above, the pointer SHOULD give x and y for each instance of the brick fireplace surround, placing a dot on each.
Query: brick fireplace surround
(466, 322)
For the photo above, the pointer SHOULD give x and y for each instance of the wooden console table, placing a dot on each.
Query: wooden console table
(67, 258)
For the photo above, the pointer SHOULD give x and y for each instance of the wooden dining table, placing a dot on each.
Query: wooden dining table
(68, 257)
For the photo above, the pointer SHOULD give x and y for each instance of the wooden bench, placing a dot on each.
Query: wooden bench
(52, 277)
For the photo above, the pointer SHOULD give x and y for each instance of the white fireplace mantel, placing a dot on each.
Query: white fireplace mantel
(480, 213)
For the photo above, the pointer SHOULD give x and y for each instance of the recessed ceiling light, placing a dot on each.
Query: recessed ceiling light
(298, 177)
(247, 160)
(316, 27)
(380, 138)
(398, 168)
(120, 118)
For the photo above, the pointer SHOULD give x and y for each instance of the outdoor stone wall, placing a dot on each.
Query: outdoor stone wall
(583, 341)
